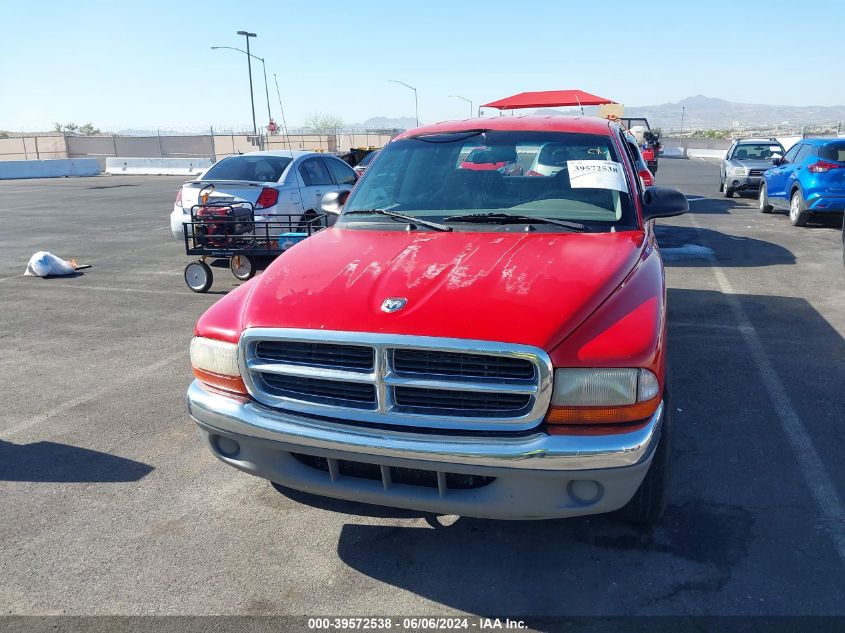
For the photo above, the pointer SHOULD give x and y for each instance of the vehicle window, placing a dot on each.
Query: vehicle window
(343, 173)
(366, 160)
(833, 151)
(790, 155)
(315, 172)
(635, 156)
(249, 168)
(762, 151)
(802, 154)
(569, 176)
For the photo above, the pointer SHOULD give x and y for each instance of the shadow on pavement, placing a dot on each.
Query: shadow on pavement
(707, 206)
(739, 502)
(61, 463)
(690, 247)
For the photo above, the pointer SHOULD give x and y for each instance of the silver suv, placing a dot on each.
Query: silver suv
(744, 163)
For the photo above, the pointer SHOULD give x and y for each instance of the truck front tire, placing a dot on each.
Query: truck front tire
(649, 503)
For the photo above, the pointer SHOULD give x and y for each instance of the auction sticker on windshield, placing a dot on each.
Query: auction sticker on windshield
(596, 174)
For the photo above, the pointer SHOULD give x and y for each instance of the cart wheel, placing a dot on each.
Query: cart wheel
(198, 276)
(242, 266)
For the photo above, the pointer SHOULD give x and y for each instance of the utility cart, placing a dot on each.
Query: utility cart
(229, 230)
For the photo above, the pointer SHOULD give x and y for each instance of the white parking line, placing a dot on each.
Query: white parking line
(67, 405)
(812, 468)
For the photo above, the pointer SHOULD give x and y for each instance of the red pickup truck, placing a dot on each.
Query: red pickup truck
(461, 341)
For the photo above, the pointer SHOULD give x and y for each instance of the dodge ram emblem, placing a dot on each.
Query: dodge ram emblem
(393, 304)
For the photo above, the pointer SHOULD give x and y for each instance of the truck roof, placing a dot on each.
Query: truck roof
(533, 123)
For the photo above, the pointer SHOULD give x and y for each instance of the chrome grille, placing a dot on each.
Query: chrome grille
(756, 172)
(353, 357)
(398, 380)
(328, 391)
(433, 362)
(445, 401)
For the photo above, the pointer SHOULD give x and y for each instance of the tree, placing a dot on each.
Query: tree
(323, 123)
(72, 128)
(88, 130)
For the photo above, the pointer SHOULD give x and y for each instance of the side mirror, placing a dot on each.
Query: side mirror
(776, 160)
(333, 202)
(663, 202)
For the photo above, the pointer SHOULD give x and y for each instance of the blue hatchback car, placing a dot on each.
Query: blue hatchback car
(810, 178)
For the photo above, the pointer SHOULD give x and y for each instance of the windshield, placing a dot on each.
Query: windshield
(763, 151)
(563, 176)
(260, 168)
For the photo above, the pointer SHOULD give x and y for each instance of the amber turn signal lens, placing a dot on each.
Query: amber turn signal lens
(232, 384)
(602, 415)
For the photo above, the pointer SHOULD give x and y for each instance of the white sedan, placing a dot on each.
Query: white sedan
(289, 184)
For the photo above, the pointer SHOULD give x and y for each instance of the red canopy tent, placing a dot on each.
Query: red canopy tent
(547, 99)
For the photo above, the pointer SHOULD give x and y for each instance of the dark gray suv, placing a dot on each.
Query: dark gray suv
(744, 163)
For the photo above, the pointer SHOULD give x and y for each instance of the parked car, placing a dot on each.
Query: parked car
(460, 341)
(744, 163)
(361, 167)
(810, 178)
(277, 183)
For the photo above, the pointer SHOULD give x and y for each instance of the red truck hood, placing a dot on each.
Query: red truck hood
(532, 289)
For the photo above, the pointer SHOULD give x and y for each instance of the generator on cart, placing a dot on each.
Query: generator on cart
(219, 225)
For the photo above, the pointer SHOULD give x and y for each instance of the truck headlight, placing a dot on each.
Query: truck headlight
(603, 396)
(738, 171)
(215, 363)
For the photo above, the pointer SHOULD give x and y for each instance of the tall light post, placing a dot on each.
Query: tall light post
(467, 100)
(248, 35)
(264, 66)
(683, 110)
(416, 103)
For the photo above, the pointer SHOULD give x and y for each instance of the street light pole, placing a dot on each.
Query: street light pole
(416, 103)
(264, 66)
(471, 110)
(683, 109)
(248, 35)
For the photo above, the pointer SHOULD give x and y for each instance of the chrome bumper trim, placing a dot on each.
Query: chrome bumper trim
(538, 451)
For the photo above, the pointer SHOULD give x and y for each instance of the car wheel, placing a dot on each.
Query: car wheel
(727, 191)
(242, 267)
(765, 207)
(721, 185)
(649, 503)
(798, 213)
(198, 276)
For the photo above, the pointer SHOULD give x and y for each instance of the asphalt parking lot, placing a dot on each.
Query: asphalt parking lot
(110, 503)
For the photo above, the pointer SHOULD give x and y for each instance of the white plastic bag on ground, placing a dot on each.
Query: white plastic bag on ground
(43, 263)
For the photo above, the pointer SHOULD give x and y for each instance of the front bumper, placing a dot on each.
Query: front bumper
(529, 476)
(744, 183)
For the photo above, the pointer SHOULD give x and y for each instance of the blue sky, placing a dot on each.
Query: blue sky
(148, 64)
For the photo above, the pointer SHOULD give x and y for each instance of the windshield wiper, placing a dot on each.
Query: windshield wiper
(401, 216)
(512, 218)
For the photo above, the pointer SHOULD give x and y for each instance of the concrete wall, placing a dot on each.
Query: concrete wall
(157, 166)
(51, 168)
(195, 146)
(32, 147)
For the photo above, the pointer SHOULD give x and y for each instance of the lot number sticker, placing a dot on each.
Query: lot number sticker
(596, 174)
